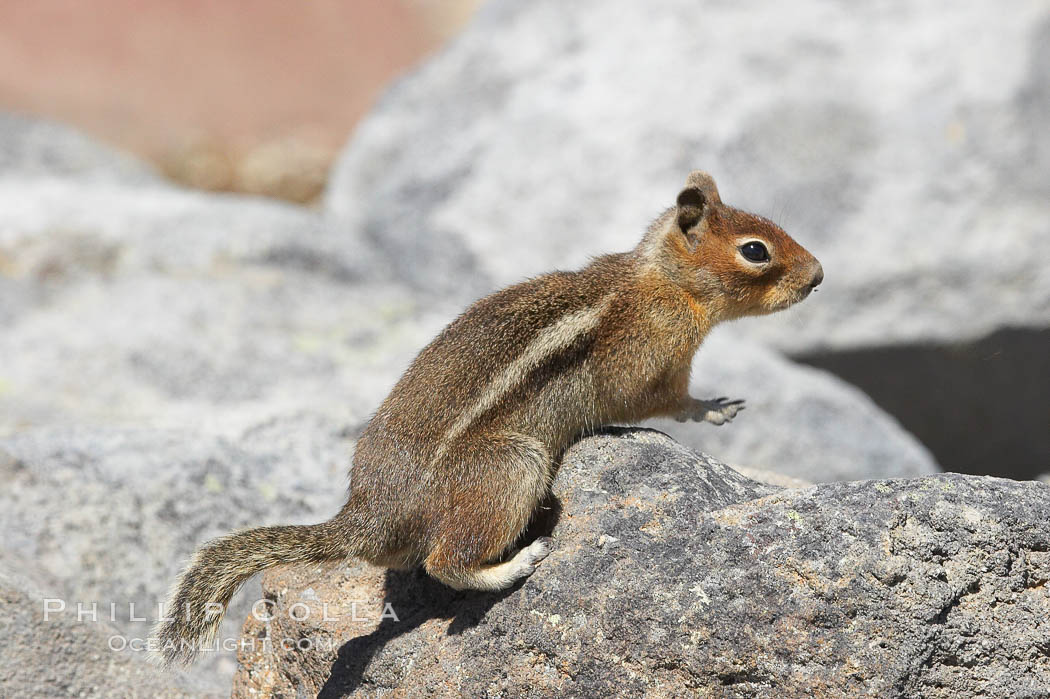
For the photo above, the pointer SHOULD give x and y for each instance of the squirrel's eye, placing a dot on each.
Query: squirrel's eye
(754, 251)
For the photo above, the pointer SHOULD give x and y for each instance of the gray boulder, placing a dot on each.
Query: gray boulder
(125, 301)
(112, 515)
(54, 654)
(31, 147)
(672, 575)
(57, 231)
(798, 421)
(903, 151)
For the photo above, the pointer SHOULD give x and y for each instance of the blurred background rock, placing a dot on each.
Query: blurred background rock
(249, 97)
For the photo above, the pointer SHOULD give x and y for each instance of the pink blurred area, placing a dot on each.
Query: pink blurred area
(246, 95)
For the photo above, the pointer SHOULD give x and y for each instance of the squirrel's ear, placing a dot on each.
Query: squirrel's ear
(706, 184)
(691, 202)
(700, 192)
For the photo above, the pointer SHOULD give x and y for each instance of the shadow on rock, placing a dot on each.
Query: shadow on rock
(418, 598)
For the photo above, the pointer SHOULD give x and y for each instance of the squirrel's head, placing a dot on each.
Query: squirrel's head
(735, 263)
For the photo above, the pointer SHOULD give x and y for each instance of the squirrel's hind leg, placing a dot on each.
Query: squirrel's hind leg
(504, 479)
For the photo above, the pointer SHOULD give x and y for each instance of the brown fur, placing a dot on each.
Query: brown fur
(454, 463)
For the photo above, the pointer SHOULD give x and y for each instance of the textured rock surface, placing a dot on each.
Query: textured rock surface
(59, 656)
(111, 515)
(900, 142)
(673, 575)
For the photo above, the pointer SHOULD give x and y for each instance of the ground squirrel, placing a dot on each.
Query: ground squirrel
(449, 471)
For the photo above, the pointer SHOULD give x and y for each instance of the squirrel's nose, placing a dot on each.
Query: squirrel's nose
(818, 277)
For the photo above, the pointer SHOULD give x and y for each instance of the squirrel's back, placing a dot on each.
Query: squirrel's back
(544, 357)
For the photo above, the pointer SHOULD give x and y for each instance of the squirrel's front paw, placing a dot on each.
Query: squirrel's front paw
(716, 411)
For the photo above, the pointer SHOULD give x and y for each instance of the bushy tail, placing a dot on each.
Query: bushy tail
(198, 601)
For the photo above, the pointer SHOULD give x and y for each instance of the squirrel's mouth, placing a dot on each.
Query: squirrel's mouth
(786, 300)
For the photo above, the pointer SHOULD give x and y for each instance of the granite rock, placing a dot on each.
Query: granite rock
(673, 575)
